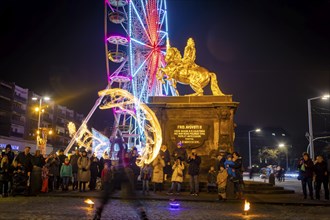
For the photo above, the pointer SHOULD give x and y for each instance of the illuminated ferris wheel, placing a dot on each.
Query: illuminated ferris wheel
(136, 38)
(135, 50)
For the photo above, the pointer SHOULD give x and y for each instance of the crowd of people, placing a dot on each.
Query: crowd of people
(29, 174)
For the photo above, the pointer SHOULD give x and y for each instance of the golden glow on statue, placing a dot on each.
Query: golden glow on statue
(147, 119)
(186, 71)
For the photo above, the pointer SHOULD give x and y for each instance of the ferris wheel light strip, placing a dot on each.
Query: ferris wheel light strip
(160, 7)
(166, 23)
(133, 75)
(141, 22)
(144, 10)
(139, 42)
(163, 19)
(160, 40)
(144, 85)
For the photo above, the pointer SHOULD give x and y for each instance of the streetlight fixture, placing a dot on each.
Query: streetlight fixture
(281, 145)
(40, 110)
(310, 122)
(249, 134)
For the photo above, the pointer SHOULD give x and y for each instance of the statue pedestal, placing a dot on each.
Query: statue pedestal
(204, 123)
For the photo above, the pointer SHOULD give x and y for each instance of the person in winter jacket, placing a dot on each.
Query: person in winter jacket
(165, 155)
(4, 176)
(53, 163)
(177, 176)
(222, 183)
(211, 179)
(66, 174)
(306, 167)
(194, 162)
(95, 170)
(321, 177)
(84, 173)
(74, 163)
(158, 173)
(146, 172)
(238, 167)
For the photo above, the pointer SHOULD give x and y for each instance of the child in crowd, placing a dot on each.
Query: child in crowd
(106, 175)
(211, 180)
(230, 171)
(222, 183)
(66, 174)
(146, 172)
(177, 176)
(44, 177)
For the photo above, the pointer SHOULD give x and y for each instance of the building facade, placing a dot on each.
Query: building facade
(19, 118)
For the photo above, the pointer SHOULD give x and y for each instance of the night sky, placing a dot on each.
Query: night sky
(271, 55)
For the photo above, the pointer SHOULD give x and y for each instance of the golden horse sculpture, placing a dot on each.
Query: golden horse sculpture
(185, 71)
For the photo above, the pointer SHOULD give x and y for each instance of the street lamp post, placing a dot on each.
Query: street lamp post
(310, 122)
(286, 154)
(39, 110)
(249, 134)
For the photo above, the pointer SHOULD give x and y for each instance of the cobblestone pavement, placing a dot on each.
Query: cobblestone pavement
(75, 208)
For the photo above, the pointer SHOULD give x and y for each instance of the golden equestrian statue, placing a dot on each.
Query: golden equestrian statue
(186, 71)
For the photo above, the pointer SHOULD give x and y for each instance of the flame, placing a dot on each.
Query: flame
(89, 202)
(246, 206)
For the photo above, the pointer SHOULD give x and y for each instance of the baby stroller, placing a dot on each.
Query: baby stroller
(19, 184)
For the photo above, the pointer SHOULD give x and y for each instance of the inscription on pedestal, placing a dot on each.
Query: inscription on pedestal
(192, 134)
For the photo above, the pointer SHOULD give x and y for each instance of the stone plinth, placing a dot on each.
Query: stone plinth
(204, 123)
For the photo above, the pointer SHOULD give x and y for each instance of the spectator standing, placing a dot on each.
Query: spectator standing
(211, 179)
(177, 176)
(74, 163)
(66, 174)
(105, 159)
(45, 178)
(306, 168)
(146, 172)
(194, 162)
(38, 162)
(53, 164)
(95, 170)
(158, 173)
(238, 167)
(106, 176)
(321, 177)
(25, 159)
(4, 176)
(61, 157)
(222, 183)
(180, 151)
(9, 153)
(84, 173)
(165, 155)
(132, 164)
(221, 158)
